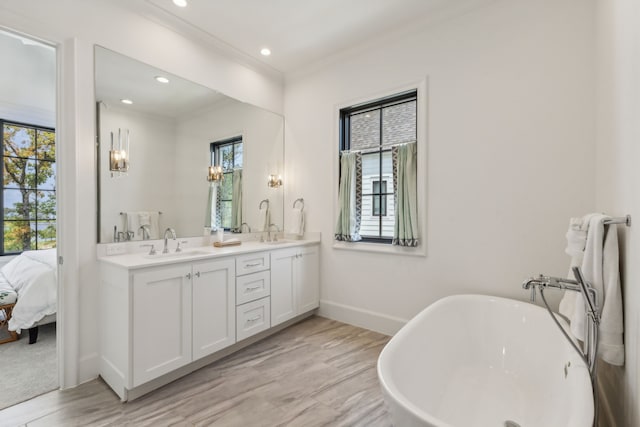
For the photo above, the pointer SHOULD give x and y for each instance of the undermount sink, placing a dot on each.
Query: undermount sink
(277, 242)
(160, 255)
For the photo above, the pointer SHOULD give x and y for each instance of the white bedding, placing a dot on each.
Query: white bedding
(33, 276)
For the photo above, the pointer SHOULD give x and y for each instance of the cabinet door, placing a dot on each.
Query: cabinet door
(283, 292)
(214, 304)
(161, 335)
(307, 278)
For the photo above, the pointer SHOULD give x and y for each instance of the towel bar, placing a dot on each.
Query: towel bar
(626, 220)
(123, 213)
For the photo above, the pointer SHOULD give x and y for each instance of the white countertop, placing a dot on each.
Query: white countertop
(137, 260)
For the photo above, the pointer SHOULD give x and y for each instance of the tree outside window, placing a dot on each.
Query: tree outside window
(29, 188)
(228, 154)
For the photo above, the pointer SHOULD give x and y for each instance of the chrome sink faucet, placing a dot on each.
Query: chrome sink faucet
(275, 236)
(172, 233)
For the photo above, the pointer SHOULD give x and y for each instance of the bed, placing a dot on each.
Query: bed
(30, 282)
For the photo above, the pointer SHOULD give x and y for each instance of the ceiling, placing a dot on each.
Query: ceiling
(300, 32)
(119, 77)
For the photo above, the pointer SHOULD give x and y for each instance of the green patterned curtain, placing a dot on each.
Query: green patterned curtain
(236, 200)
(350, 197)
(210, 205)
(405, 182)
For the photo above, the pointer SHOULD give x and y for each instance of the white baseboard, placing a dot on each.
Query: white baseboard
(371, 320)
(88, 367)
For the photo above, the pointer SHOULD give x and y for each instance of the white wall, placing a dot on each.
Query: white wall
(510, 154)
(31, 69)
(148, 186)
(75, 26)
(618, 190)
(262, 139)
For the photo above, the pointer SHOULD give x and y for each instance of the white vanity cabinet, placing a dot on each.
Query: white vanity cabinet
(160, 322)
(160, 319)
(253, 287)
(295, 279)
(213, 296)
(155, 320)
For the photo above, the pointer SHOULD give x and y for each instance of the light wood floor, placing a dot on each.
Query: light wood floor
(318, 372)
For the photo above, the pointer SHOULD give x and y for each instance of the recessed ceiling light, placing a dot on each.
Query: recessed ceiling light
(162, 79)
(126, 101)
(180, 3)
(265, 51)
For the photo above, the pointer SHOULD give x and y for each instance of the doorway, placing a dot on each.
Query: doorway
(28, 235)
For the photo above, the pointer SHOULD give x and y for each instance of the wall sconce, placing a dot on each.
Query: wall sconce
(274, 181)
(119, 154)
(215, 174)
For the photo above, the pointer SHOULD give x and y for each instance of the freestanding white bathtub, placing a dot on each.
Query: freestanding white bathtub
(473, 360)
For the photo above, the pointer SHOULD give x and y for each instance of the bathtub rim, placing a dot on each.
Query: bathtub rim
(399, 398)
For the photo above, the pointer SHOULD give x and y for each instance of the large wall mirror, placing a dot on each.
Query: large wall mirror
(176, 130)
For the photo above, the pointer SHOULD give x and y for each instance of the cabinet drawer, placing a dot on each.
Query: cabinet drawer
(250, 263)
(253, 317)
(251, 287)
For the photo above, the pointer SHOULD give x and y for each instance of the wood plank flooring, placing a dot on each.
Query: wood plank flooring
(318, 372)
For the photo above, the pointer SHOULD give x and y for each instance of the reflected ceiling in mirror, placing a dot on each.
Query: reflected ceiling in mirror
(171, 127)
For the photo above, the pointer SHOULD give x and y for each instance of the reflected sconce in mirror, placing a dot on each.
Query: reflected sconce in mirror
(119, 154)
(274, 181)
(215, 174)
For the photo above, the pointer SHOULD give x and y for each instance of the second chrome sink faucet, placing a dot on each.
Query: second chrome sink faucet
(172, 233)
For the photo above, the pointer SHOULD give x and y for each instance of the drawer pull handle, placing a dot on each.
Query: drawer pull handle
(197, 274)
(255, 264)
(254, 319)
(251, 288)
(188, 275)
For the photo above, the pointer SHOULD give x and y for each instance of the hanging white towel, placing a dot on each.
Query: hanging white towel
(600, 268)
(154, 225)
(577, 236)
(297, 218)
(133, 224)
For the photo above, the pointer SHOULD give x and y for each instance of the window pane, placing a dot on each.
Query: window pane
(226, 188)
(19, 204)
(370, 171)
(19, 173)
(46, 175)
(19, 141)
(387, 167)
(225, 208)
(237, 163)
(365, 130)
(46, 142)
(46, 234)
(399, 123)
(369, 224)
(46, 204)
(226, 157)
(18, 236)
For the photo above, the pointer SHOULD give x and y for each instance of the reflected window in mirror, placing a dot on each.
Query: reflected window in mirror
(227, 212)
(28, 187)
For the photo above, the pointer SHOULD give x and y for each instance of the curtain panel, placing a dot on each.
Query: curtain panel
(405, 183)
(349, 198)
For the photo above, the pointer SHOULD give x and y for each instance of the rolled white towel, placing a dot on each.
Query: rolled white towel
(297, 218)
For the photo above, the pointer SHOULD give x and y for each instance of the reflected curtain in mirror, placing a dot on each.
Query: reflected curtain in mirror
(236, 201)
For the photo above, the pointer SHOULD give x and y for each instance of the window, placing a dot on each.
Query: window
(28, 187)
(379, 198)
(228, 154)
(373, 129)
